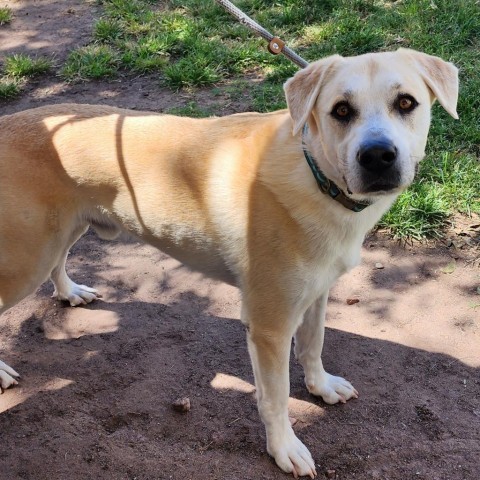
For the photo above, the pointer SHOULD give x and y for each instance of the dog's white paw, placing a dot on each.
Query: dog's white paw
(7, 375)
(332, 389)
(76, 294)
(290, 454)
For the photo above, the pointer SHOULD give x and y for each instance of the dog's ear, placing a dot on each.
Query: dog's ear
(303, 88)
(441, 78)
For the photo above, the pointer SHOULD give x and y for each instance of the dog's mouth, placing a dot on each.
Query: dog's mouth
(386, 183)
(380, 187)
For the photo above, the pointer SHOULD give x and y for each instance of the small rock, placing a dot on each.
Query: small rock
(379, 266)
(181, 405)
(352, 301)
(331, 473)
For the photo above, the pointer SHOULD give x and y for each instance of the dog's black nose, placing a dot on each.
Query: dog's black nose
(376, 156)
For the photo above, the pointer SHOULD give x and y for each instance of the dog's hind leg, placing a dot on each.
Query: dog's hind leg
(25, 261)
(8, 376)
(33, 246)
(308, 350)
(65, 288)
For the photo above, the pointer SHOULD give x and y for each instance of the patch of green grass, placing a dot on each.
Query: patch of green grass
(125, 9)
(142, 60)
(17, 69)
(191, 73)
(182, 40)
(447, 182)
(9, 88)
(91, 62)
(21, 65)
(145, 55)
(195, 43)
(419, 213)
(190, 110)
(107, 30)
(6, 15)
(268, 97)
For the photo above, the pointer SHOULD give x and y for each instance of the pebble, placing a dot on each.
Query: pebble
(181, 405)
(379, 266)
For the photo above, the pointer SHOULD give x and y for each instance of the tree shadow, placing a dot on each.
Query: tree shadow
(101, 401)
(54, 29)
(46, 29)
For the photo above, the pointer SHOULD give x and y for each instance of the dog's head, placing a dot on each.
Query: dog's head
(369, 115)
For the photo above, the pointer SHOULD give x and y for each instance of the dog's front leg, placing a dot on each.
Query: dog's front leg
(308, 350)
(270, 351)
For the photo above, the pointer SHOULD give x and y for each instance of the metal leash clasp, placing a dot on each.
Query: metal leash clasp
(276, 46)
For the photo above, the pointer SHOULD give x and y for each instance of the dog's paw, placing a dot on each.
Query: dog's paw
(76, 294)
(332, 389)
(7, 375)
(291, 455)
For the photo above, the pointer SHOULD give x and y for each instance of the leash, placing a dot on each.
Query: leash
(275, 44)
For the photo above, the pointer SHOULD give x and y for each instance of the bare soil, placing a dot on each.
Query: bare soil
(98, 382)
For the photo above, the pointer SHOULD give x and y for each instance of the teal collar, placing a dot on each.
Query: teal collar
(326, 185)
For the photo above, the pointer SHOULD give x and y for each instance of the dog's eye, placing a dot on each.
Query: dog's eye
(343, 112)
(406, 103)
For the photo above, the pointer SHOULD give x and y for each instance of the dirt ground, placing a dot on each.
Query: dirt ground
(98, 382)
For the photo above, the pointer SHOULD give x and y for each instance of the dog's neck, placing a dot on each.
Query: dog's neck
(327, 186)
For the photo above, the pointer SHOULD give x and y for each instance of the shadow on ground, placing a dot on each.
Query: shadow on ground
(98, 384)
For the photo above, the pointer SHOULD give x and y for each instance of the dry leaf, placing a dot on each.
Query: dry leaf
(450, 268)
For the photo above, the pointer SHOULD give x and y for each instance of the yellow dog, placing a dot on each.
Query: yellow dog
(277, 204)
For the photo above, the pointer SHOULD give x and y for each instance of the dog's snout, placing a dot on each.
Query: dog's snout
(377, 156)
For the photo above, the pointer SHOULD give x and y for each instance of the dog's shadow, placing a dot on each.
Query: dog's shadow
(105, 389)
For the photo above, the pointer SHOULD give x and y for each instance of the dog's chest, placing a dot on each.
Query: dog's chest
(342, 264)
(346, 258)
(333, 263)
